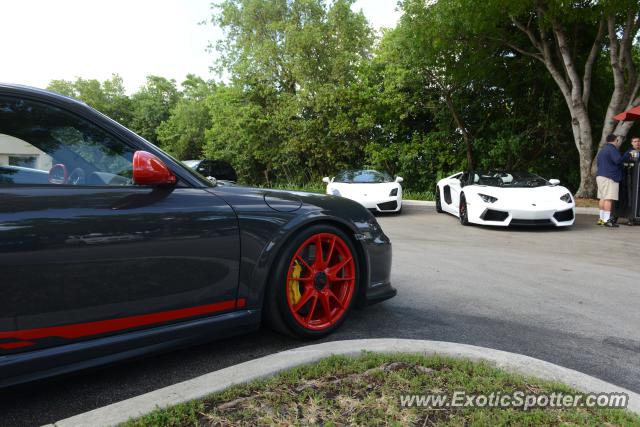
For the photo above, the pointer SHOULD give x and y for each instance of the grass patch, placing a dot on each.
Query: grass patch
(365, 391)
(418, 195)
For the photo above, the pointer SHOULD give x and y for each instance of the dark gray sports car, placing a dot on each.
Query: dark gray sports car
(111, 249)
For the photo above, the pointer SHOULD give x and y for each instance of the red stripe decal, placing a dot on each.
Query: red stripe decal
(79, 330)
(17, 344)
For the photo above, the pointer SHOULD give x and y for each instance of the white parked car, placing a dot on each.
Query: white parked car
(505, 198)
(372, 189)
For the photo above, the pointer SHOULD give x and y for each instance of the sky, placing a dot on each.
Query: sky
(42, 40)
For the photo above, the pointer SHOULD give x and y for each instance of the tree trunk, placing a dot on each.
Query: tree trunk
(267, 175)
(461, 125)
(553, 48)
(583, 138)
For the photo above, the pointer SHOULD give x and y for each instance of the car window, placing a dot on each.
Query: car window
(204, 168)
(223, 170)
(363, 177)
(509, 179)
(43, 144)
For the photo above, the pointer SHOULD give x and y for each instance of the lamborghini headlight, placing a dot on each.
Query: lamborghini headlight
(394, 192)
(335, 192)
(567, 198)
(487, 199)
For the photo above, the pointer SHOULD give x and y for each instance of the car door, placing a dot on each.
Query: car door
(455, 185)
(83, 251)
(451, 193)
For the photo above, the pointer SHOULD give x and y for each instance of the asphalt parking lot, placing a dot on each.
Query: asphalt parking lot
(570, 297)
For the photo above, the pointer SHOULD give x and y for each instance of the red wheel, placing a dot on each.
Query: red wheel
(320, 281)
(315, 284)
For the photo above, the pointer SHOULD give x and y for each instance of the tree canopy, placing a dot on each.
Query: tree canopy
(310, 88)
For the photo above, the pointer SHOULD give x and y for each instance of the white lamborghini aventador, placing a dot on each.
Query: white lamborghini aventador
(372, 189)
(505, 198)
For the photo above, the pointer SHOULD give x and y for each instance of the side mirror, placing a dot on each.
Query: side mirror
(455, 181)
(399, 179)
(554, 181)
(150, 170)
(58, 174)
(326, 180)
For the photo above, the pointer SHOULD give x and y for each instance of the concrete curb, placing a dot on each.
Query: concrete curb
(423, 203)
(269, 365)
(587, 211)
(418, 203)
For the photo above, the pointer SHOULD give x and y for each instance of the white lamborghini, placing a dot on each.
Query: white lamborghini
(505, 198)
(372, 189)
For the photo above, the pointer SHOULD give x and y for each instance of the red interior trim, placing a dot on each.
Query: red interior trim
(79, 330)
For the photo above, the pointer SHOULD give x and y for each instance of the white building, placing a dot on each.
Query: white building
(16, 152)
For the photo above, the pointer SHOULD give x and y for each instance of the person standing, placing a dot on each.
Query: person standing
(608, 177)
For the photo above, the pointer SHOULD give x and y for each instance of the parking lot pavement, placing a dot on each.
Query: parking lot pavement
(570, 297)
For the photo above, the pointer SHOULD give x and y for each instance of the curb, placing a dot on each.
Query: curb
(269, 365)
(423, 203)
(587, 211)
(418, 203)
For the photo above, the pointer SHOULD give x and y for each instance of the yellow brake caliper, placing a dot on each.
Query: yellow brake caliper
(294, 285)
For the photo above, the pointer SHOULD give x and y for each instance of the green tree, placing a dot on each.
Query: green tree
(183, 133)
(293, 65)
(568, 39)
(151, 105)
(435, 100)
(108, 97)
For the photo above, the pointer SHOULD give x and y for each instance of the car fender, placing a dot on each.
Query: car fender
(263, 233)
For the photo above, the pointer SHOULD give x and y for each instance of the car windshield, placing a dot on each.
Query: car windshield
(363, 177)
(191, 163)
(508, 179)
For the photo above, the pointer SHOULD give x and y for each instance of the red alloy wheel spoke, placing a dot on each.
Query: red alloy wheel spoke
(319, 262)
(331, 248)
(308, 293)
(336, 299)
(326, 297)
(312, 308)
(301, 279)
(339, 279)
(324, 301)
(336, 268)
(307, 266)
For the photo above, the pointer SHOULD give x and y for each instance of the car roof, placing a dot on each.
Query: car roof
(43, 93)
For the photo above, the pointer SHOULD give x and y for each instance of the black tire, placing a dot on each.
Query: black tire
(438, 201)
(277, 313)
(463, 212)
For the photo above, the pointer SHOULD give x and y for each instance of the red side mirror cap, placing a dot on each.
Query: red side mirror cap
(58, 174)
(150, 170)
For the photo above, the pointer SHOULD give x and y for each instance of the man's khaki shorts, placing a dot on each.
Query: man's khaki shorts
(608, 189)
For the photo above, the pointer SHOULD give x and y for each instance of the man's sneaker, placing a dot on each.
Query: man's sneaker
(601, 221)
(611, 224)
